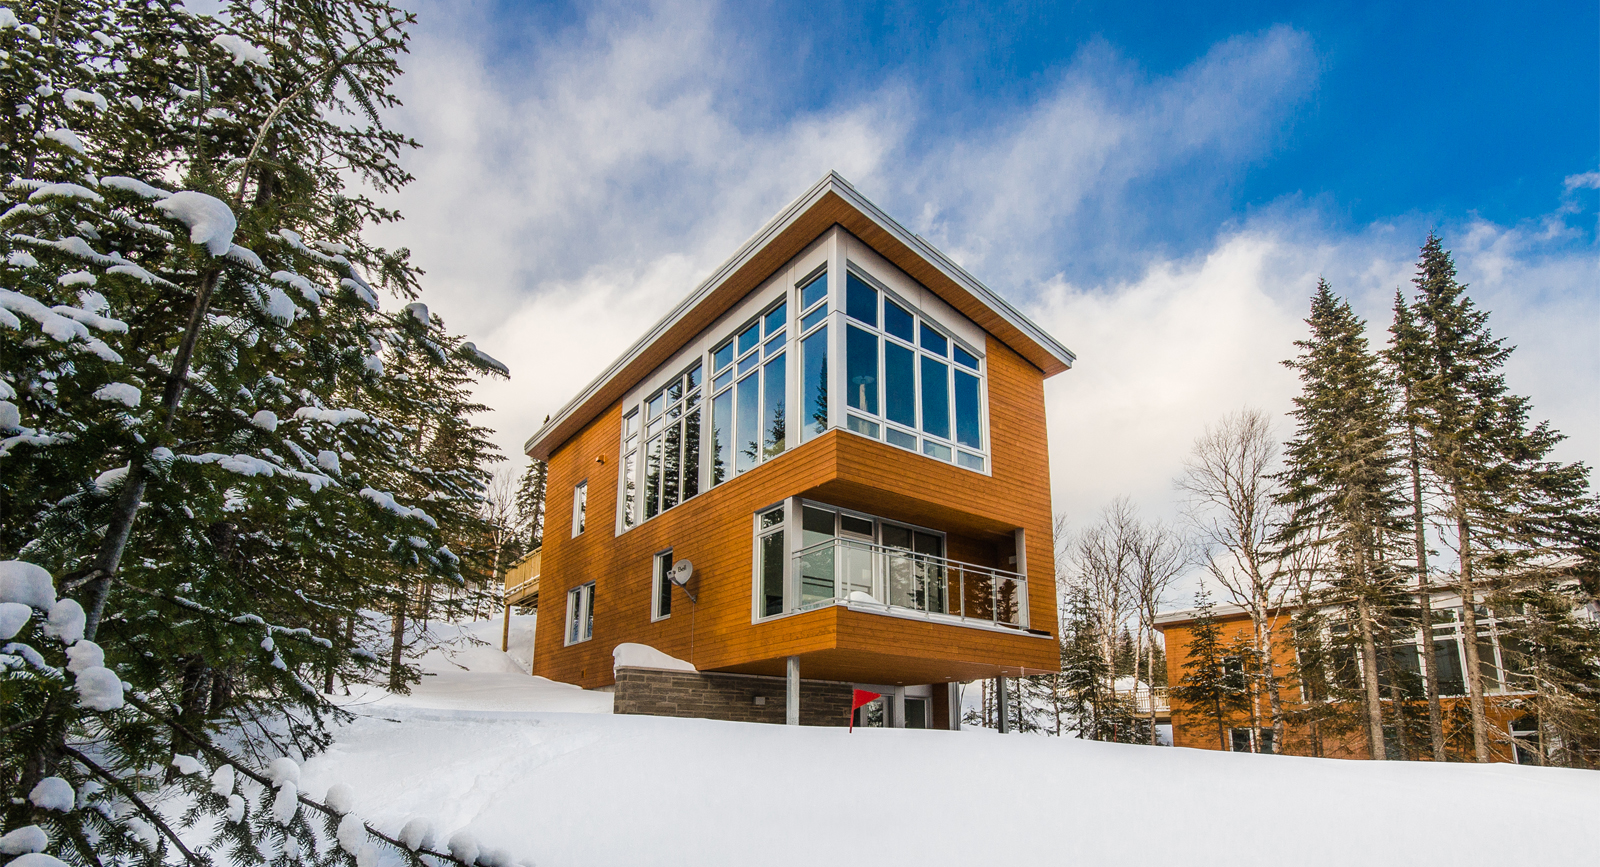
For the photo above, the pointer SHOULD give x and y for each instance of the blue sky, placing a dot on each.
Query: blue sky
(1161, 188)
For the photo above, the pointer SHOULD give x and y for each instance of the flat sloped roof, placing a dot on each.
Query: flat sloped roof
(830, 201)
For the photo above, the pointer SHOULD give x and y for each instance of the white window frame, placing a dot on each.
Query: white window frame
(660, 584)
(580, 507)
(579, 624)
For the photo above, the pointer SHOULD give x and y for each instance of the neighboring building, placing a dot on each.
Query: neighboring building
(1502, 687)
(845, 433)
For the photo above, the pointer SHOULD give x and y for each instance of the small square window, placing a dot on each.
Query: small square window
(722, 357)
(902, 439)
(861, 426)
(813, 318)
(899, 322)
(814, 291)
(749, 338)
(970, 461)
(933, 341)
(775, 319)
(935, 450)
(965, 358)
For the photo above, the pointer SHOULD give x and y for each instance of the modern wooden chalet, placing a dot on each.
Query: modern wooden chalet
(844, 432)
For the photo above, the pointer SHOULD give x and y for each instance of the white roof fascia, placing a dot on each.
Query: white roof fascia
(831, 182)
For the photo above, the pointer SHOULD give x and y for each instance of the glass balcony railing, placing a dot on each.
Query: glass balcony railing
(845, 571)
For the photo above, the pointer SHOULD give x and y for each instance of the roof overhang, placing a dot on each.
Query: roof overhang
(830, 201)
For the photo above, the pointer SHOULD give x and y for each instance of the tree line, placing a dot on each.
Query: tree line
(1410, 550)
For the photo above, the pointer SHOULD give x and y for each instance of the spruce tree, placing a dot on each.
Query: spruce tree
(218, 449)
(1340, 477)
(1516, 517)
(1207, 689)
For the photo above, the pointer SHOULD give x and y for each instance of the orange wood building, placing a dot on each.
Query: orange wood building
(844, 433)
(1343, 735)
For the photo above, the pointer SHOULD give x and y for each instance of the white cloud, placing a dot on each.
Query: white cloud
(565, 202)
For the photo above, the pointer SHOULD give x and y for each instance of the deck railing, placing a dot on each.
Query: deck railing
(864, 574)
(1142, 698)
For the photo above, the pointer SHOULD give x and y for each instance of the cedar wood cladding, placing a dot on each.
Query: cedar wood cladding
(715, 531)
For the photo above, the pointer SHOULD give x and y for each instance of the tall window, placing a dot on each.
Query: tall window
(661, 585)
(630, 469)
(749, 384)
(580, 613)
(771, 559)
(814, 357)
(672, 444)
(909, 383)
(580, 506)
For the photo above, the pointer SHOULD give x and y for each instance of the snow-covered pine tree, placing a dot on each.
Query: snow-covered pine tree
(208, 427)
(530, 501)
(1207, 690)
(1520, 522)
(1341, 477)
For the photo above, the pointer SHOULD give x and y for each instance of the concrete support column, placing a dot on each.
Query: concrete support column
(791, 712)
(1003, 703)
(899, 709)
(954, 696)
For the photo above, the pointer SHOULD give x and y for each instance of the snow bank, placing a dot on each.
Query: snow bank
(211, 222)
(25, 583)
(629, 655)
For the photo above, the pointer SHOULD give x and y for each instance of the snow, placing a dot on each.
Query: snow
(27, 584)
(417, 834)
(279, 307)
(67, 138)
(352, 833)
(542, 771)
(76, 278)
(119, 392)
(38, 859)
(53, 793)
(307, 291)
(21, 259)
(265, 419)
(73, 96)
(286, 804)
(99, 688)
(630, 655)
(484, 358)
(330, 416)
(129, 185)
(211, 223)
(84, 655)
(8, 21)
(283, 771)
(328, 460)
(387, 502)
(10, 416)
(66, 621)
(243, 52)
(64, 191)
(418, 311)
(374, 364)
(340, 798)
(21, 841)
(188, 765)
(235, 807)
(245, 256)
(464, 846)
(222, 780)
(13, 616)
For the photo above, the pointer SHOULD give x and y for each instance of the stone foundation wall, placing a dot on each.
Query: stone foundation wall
(732, 697)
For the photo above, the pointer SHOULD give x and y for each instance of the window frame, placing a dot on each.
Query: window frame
(578, 626)
(580, 508)
(660, 586)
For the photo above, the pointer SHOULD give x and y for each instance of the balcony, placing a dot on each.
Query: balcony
(864, 575)
(522, 580)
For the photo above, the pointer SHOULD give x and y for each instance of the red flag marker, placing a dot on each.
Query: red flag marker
(862, 699)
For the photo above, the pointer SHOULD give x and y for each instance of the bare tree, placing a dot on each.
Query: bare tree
(1158, 560)
(1106, 557)
(1234, 511)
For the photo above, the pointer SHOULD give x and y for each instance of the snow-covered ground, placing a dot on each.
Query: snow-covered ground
(544, 771)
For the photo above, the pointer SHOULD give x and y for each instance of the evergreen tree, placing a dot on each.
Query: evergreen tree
(1084, 676)
(1207, 689)
(530, 501)
(1514, 515)
(1340, 474)
(212, 433)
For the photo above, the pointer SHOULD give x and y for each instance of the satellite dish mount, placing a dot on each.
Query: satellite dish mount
(681, 572)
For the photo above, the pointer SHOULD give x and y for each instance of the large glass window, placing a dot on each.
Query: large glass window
(814, 357)
(771, 556)
(931, 387)
(672, 452)
(750, 388)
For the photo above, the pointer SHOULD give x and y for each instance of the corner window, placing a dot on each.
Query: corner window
(909, 382)
(661, 586)
(750, 388)
(580, 613)
(580, 507)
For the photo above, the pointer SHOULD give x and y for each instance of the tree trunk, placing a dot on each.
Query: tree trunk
(1469, 639)
(398, 648)
(1396, 701)
(1430, 663)
(1369, 671)
(1150, 672)
(1274, 697)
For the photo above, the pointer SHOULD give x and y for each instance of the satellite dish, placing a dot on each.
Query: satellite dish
(682, 571)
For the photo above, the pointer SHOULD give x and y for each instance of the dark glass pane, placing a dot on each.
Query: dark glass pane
(721, 437)
(860, 300)
(694, 377)
(750, 337)
(935, 398)
(814, 381)
(969, 430)
(671, 466)
(721, 381)
(933, 341)
(898, 321)
(817, 526)
(813, 292)
(897, 437)
(749, 363)
(965, 358)
(691, 454)
(931, 544)
(675, 391)
(747, 444)
(774, 346)
(813, 318)
(1447, 662)
(858, 526)
(654, 405)
(772, 557)
(663, 584)
(900, 384)
(895, 536)
(774, 424)
(652, 478)
(723, 356)
(775, 319)
(861, 369)
(772, 518)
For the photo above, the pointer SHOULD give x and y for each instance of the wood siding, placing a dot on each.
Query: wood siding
(715, 530)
